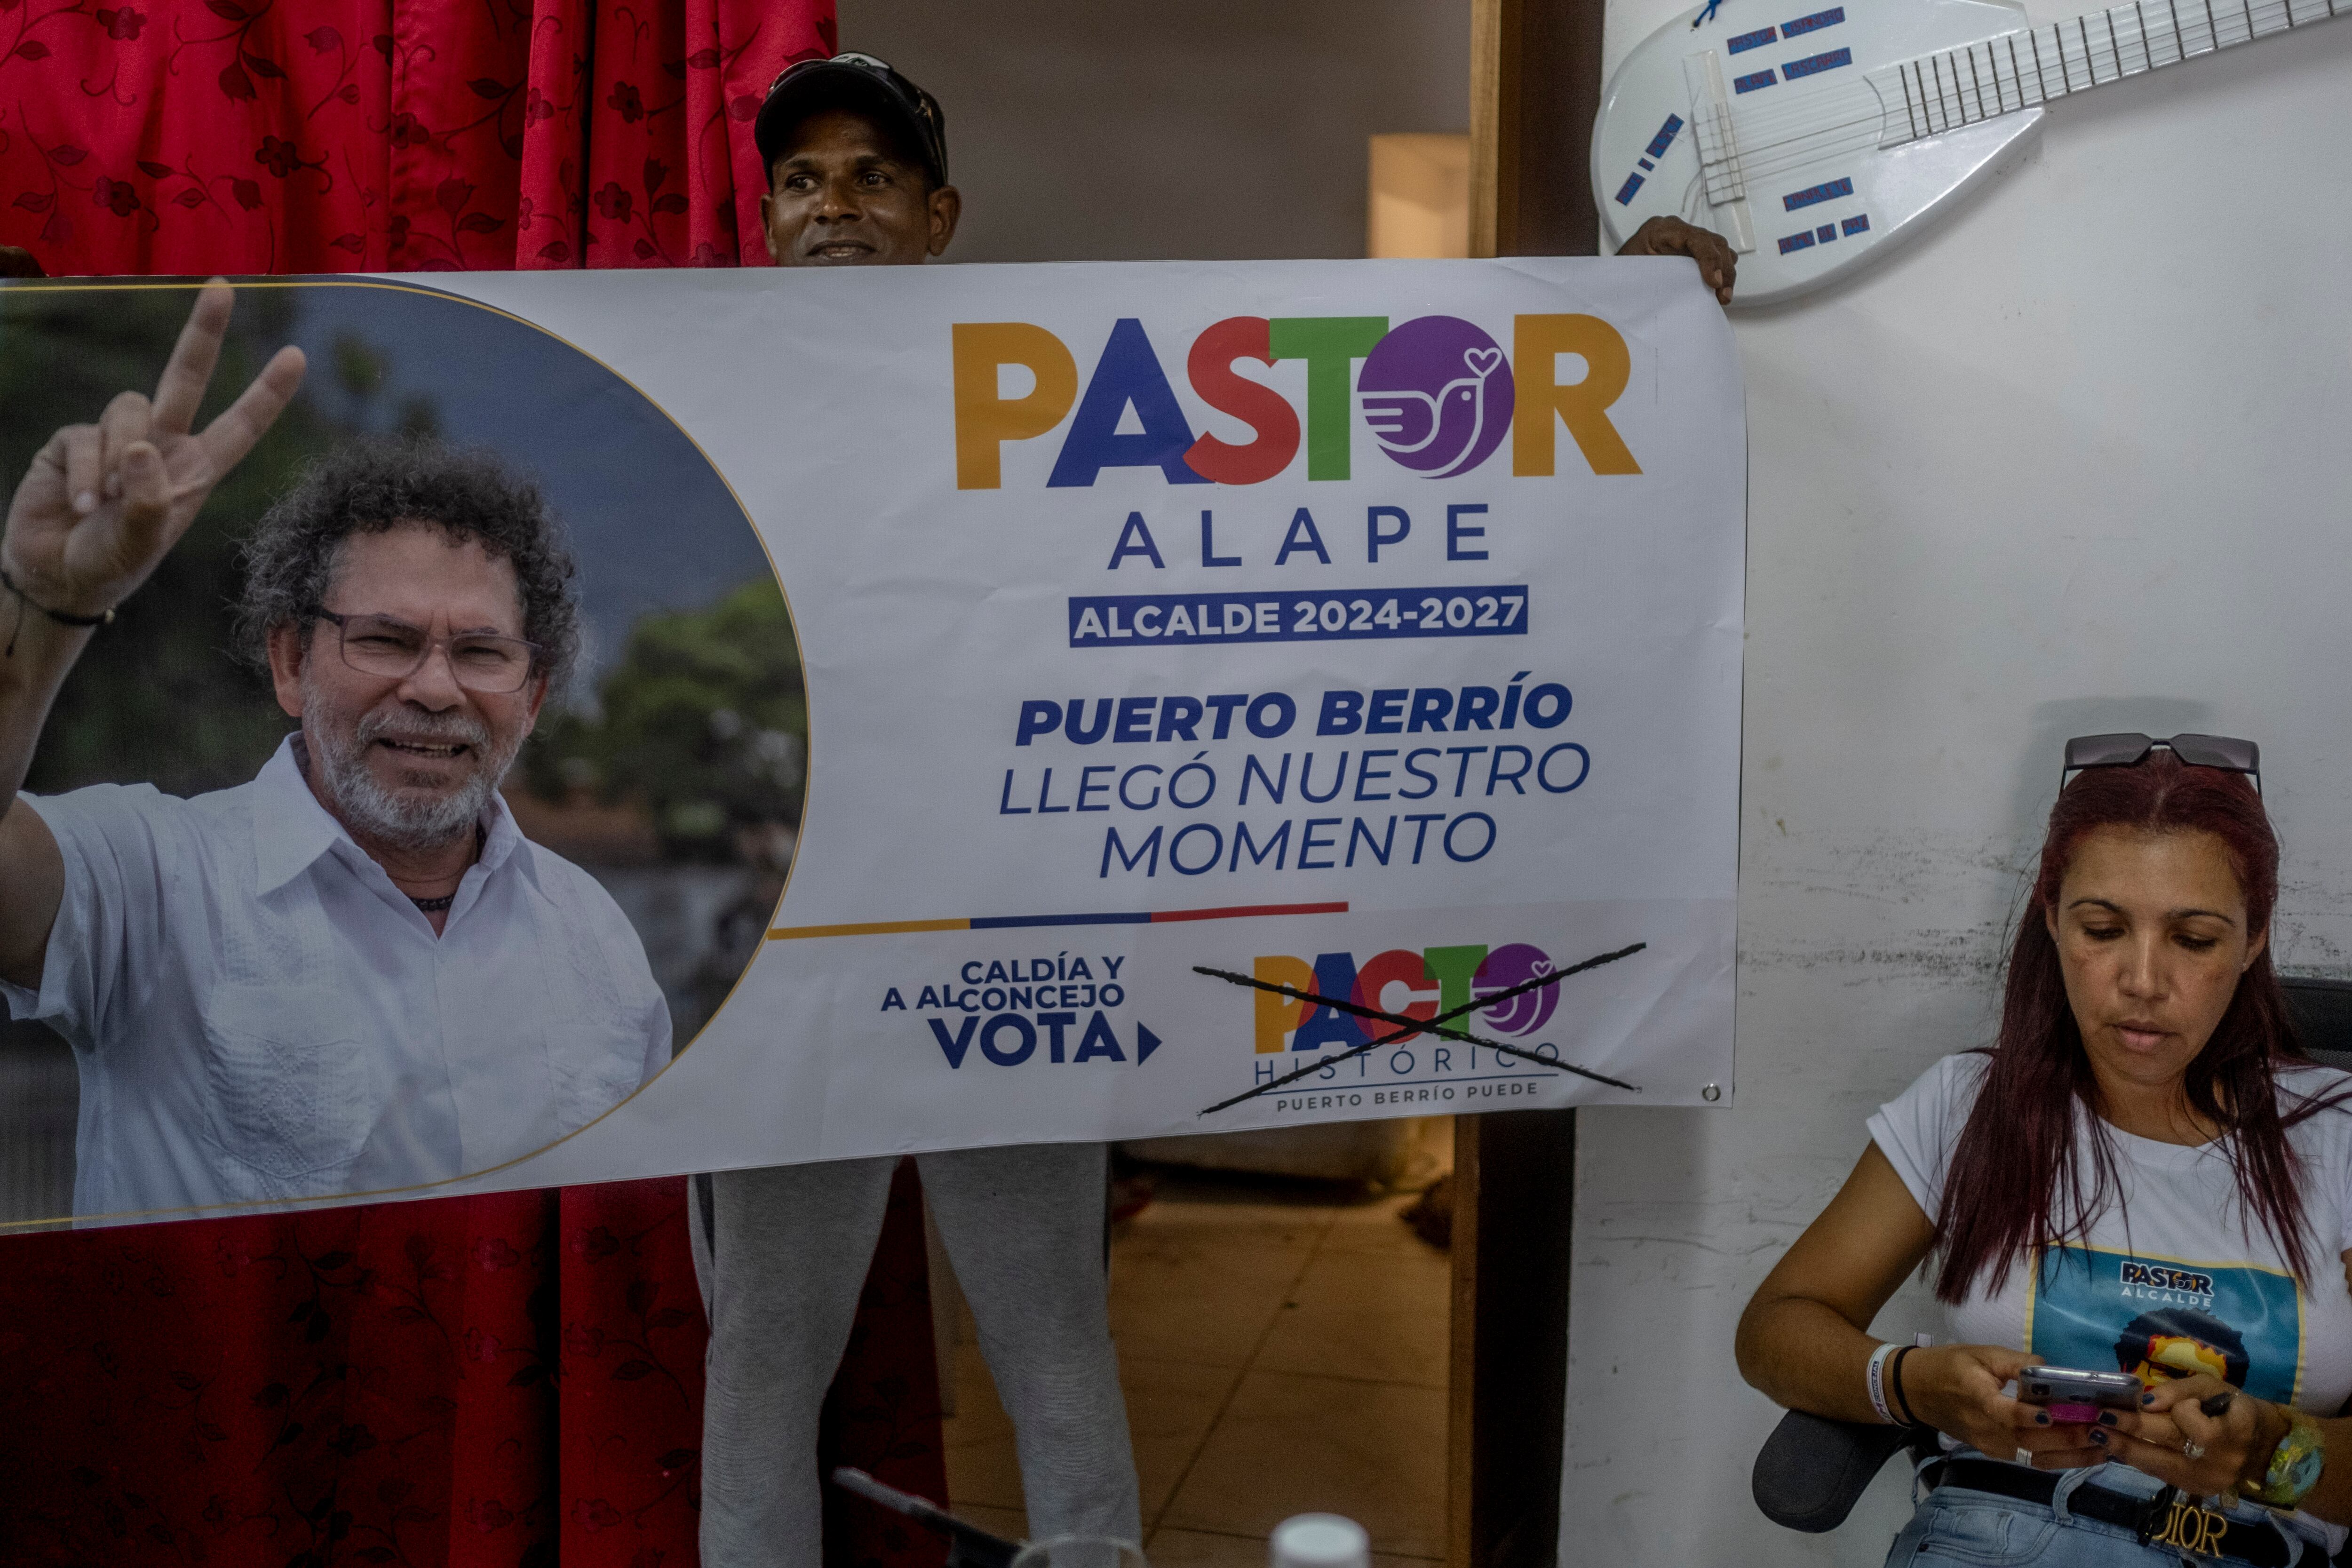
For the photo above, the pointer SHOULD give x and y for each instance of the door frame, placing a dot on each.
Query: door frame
(1535, 90)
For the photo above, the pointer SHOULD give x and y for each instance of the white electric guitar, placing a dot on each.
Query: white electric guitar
(1813, 137)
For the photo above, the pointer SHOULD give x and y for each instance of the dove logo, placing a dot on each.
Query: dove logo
(1437, 395)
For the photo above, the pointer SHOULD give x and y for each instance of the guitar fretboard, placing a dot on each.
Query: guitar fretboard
(2001, 75)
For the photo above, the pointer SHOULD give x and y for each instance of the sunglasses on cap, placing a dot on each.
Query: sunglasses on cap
(922, 109)
(872, 65)
(2226, 752)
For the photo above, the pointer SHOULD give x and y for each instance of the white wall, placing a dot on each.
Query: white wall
(1083, 130)
(2081, 461)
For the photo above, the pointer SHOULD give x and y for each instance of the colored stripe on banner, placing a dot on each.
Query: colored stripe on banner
(867, 927)
(1007, 922)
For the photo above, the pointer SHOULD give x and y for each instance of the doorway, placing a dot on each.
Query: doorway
(1283, 1341)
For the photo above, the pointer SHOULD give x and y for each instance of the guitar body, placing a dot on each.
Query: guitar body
(1793, 104)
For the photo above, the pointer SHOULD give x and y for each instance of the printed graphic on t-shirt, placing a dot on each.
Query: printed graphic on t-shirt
(2160, 1319)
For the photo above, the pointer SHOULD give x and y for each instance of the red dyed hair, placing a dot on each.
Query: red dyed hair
(2019, 1180)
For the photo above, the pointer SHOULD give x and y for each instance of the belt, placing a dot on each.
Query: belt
(2167, 1519)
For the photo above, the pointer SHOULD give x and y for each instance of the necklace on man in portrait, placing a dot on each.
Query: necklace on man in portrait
(434, 906)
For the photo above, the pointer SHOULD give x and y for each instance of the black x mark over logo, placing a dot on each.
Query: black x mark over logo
(1410, 1026)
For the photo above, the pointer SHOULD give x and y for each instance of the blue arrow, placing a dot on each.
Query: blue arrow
(1146, 1042)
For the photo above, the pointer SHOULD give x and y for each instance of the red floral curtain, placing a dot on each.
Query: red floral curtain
(504, 1381)
(356, 1385)
(512, 1379)
(388, 135)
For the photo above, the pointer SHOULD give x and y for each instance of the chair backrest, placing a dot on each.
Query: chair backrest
(2322, 1011)
(1812, 1469)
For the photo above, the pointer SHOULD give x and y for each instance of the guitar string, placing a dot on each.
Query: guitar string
(2264, 19)
(1768, 121)
(1942, 97)
(1769, 132)
(1858, 103)
(2114, 56)
(1767, 161)
(1819, 143)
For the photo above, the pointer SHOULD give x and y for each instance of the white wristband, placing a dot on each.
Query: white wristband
(1877, 1376)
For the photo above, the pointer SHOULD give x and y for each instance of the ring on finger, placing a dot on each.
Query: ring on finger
(2193, 1448)
(2025, 1456)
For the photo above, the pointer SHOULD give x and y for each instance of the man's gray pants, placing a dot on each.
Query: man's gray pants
(783, 1267)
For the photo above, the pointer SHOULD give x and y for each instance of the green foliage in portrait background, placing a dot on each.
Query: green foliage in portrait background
(703, 720)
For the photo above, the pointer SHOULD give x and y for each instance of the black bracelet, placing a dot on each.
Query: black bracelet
(63, 617)
(1895, 1382)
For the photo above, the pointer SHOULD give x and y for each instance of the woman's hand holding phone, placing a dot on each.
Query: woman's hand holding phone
(2233, 1444)
(1959, 1390)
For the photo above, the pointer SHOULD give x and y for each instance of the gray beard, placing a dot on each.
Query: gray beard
(410, 823)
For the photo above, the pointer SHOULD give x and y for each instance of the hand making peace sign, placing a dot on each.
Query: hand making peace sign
(104, 503)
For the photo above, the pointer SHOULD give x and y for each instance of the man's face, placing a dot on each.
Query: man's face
(840, 196)
(410, 760)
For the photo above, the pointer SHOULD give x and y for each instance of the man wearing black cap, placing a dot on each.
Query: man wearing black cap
(858, 177)
(857, 167)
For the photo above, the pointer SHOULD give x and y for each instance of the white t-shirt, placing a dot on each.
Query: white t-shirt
(2173, 1277)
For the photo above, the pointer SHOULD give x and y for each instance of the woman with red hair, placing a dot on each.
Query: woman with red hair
(2144, 1168)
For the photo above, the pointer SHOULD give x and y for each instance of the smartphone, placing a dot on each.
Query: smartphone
(2078, 1397)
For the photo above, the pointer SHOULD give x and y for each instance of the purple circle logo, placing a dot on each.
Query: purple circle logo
(1437, 395)
(1516, 966)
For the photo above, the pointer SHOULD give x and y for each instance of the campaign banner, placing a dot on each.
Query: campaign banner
(1015, 704)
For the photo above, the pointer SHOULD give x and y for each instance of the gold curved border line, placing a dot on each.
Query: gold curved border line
(338, 1199)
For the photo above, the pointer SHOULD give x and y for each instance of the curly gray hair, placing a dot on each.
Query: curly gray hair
(373, 484)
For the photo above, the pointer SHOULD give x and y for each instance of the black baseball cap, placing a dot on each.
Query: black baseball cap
(853, 80)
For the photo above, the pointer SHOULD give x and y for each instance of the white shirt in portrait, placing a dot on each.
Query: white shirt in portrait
(257, 1013)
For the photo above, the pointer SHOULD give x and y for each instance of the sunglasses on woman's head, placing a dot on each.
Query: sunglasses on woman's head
(2226, 752)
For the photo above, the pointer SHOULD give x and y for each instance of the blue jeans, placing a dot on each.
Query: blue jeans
(1955, 1525)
